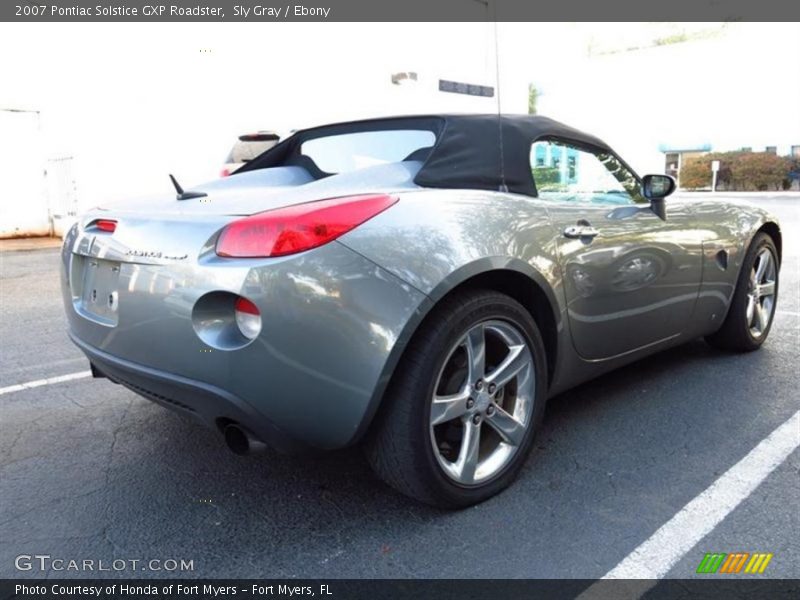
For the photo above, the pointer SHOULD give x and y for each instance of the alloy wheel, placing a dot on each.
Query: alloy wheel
(761, 293)
(483, 402)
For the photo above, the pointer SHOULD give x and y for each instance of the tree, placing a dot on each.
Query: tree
(548, 179)
(533, 96)
(759, 171)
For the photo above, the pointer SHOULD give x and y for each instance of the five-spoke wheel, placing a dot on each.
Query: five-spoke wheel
(761, 292)
(462, 410)
(482, 402)
(753, 304)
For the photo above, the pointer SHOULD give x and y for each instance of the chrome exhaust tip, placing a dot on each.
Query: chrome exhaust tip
(242, 442)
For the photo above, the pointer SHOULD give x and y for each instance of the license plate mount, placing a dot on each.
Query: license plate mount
(98, 299)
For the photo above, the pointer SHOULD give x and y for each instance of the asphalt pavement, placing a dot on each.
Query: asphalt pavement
(89, 470)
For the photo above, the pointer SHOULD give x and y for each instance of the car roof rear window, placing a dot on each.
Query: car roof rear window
(352, 151)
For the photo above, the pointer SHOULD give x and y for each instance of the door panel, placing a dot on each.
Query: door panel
(631, 279)
(632, 284)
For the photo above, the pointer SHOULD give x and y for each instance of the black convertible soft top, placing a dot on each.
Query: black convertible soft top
(485, 152)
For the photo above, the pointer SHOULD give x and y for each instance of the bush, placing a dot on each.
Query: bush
(696, 172)
(759, 171)
(739, 171)
(548, 179)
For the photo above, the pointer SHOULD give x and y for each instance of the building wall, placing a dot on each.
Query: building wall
(23, 200)
(134, 102)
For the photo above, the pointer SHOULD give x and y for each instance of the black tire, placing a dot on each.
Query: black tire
(399, 445)
(734, 335)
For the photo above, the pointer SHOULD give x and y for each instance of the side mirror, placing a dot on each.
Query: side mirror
(657, 187)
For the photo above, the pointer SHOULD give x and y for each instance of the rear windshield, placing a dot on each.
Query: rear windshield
(244, 151)
(352, 151)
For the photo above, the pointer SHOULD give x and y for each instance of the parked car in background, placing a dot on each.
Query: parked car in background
(246, 148)
(419, 284)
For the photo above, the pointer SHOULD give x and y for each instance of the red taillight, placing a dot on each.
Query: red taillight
(297, 228)
(105, 225)
(224, 173)
(244, 305)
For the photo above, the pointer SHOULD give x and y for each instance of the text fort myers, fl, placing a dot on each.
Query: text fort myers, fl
(208, 591)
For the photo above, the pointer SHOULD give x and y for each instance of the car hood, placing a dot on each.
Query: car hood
(256, 191)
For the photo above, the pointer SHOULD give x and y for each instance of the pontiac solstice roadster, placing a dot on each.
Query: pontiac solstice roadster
(419, 285)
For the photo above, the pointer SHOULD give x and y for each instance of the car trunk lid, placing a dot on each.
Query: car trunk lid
(164, 230)
(256, 191)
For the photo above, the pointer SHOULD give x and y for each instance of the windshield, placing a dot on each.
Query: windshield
(358, 150)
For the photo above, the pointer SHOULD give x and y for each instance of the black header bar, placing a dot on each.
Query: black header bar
(396, 10)
(752, 588)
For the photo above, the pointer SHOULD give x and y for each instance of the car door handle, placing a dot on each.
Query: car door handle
(580, 231)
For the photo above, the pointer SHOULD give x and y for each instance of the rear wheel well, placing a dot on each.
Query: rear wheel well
(773, 231)
(527, 292)
(518, 286)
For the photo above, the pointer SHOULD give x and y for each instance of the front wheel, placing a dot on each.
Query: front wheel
(752, 309)
(460, 414)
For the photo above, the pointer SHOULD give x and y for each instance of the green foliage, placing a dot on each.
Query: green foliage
(759, 171)
(696, 172)
(548, 179)
(739, 171)
(623, 175)
(533, 96)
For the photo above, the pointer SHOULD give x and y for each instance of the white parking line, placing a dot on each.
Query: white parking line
(656, 556)
(40, 382)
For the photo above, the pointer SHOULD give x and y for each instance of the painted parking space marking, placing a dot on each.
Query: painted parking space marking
(40, 382)
(657, 555)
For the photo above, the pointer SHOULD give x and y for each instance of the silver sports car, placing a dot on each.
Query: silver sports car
(421, 285)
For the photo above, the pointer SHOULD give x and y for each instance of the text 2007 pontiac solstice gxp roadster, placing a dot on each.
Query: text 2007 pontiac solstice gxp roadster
(419, 284)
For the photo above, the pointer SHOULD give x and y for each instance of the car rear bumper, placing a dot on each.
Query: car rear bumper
(333, 327)
(196, 399)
